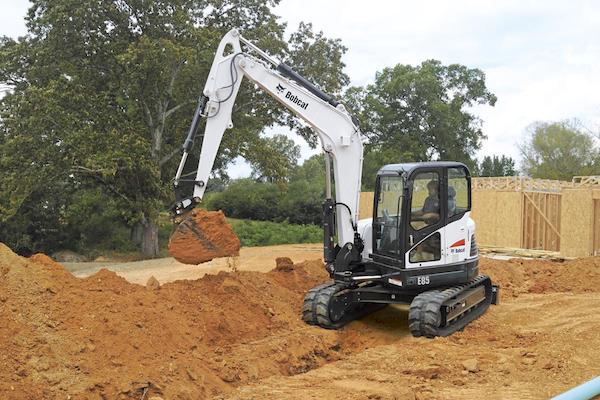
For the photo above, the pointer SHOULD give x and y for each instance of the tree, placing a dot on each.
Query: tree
(298, 202)
(280, 155)
(421, 113)
(559, 150)
(104, 91)
(496, 166)
(249, 199)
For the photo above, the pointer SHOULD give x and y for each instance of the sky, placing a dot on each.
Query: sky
(541, 58)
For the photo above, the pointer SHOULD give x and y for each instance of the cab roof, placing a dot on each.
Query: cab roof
(410, 167)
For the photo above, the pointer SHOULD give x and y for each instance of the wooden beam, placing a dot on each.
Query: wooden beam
(542, 215)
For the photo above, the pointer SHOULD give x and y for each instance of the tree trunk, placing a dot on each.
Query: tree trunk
(149, 245)
(137, 233)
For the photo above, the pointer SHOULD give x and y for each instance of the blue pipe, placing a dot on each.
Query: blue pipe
(584, 391)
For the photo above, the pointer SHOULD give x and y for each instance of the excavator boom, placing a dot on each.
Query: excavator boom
(339, 135)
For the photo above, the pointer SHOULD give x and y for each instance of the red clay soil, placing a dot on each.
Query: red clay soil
(239, 334)
(103, 337)
(531, 346)
(202, 236)
(517, 276)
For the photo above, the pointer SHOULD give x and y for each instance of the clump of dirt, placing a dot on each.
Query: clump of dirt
(517, 276)
(103, 337)
(284, 264)
(202, 236)
(152, 283)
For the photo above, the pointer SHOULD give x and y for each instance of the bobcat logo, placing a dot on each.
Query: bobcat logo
(280, 88)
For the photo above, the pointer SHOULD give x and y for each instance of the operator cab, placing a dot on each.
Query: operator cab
(419, 249)
(421, 219)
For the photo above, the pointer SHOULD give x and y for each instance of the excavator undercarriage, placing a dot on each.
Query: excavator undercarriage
(437, 312)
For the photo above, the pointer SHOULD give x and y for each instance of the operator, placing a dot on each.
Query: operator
(430, 213)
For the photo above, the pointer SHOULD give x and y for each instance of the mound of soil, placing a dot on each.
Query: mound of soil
(517, 276)
(202, 236)
(103, 337)
(534, 345)
(240, 335)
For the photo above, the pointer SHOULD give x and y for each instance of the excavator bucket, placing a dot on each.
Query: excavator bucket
(201, 235)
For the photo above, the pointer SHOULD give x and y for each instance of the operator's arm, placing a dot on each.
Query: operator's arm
(430, 213)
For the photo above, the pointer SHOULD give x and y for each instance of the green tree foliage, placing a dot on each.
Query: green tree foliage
(559, 150)
(375, 158)
(104, 91)
(280, 155)
(420, 113)
(248, 199)
(299, 202)
(39, 226)
(496, 166)
(66, 215)
(302, 203)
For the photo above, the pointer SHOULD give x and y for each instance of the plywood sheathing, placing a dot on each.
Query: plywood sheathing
(576, 221)
(497, 215)
(365, 209)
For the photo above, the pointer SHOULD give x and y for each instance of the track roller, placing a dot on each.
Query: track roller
(443, 312)
(330, 306)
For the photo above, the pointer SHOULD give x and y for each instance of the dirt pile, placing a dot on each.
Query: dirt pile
(534, 345)
(517, 276)
(239, 335)
(103, 337)
(202, 236)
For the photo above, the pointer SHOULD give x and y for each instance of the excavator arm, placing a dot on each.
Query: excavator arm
(339, 135)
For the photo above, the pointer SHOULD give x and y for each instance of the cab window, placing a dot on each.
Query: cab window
(428, 250)
(389, 207)
(425, 203)
(458, 192)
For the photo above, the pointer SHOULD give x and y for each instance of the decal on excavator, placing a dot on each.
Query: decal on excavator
(458, 247)
(461, 242)
(294, 99)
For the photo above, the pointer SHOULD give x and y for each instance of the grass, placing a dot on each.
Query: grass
(266, 233)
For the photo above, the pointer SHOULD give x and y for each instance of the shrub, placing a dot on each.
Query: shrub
(266, 233)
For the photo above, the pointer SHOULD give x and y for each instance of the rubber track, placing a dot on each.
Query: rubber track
(322, 300)
(315, 309)
(416, 309)
(309, 307)
(425, 317)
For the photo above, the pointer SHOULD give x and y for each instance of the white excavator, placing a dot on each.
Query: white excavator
(418, 248)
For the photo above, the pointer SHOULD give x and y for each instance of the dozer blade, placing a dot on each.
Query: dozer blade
(200, 236)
